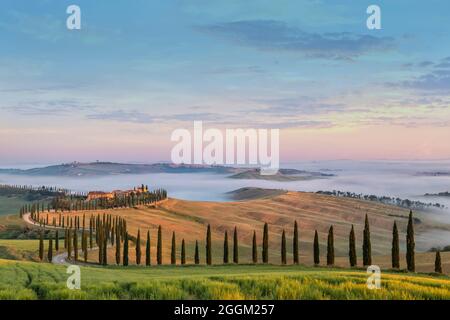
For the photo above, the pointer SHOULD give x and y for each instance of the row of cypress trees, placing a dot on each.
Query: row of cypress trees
(367, 252)
(51, 240)
(108, 227)
(103, 229)
(62, 202)
(366, 248)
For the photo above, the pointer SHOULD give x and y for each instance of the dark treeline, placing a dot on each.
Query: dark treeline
(440, 194)
(77, 202)
(403, 203)
(51, 191)
(30, 193)
(443, 249)
(111, 231)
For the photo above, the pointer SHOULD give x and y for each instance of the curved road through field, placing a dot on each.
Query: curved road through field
(59, 258)
(62, 257)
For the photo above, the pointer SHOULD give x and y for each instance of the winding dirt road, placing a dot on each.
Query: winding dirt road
(60, 258)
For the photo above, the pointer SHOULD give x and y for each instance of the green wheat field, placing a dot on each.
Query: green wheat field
(30, 280)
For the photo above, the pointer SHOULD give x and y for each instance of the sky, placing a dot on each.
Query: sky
(137, 70)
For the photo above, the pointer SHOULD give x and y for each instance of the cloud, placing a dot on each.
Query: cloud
(247, 120)
(406, 121)
(299, 105)
(122, 116)
(436, 80)
(247, 70)
(424, 64)
(443, 65)
(202, 116)
(421, 64)
(277, 36)
(134, 116)
(48, 108)
(308, 124)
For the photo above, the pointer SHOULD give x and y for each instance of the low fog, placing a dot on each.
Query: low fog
(381, 178)
(389, 178)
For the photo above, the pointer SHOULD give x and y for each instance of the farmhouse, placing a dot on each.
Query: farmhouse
(93, 195)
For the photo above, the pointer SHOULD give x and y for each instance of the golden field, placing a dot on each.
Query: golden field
(189, 220)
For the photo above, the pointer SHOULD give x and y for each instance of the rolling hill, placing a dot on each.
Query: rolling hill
(21, 278)
(111, 168)
(189, 220)
(79, 169)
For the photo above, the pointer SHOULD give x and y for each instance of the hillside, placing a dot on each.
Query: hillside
(189, 220)
(20, 249)
(282, 175)
(250, 193)
(12, 199)
(109, 168)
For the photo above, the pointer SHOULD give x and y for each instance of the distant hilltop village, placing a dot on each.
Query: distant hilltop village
(93, 195)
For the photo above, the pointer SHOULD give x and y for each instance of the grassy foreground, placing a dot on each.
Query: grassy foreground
(20, 249)
(30, 280)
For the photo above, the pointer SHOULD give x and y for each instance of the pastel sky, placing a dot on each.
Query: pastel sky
(116, 89)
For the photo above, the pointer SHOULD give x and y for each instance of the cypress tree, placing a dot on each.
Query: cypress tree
(147, 251)
(159, 247)
(69, 244)
(208, 246)
(295, 244)
(100, 245)
(65, 238)
(235, 246)
(50, 250)
(105, 251)
(112, 236)
(330, 247)
(41, 246)
(57, 241)
(395, 247)
(183, 252)
(352, 248)
(316, 249)
(173, 252)
(85, 246)
(138, 248)
(367, 247)
(91, 238)
(410, 244)
(225, 248)
(125, 250)
(75, 245)
(117, 249)
(283, 248)
(265, 249)
(437, 263)
(254, 249)
(196, 256)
